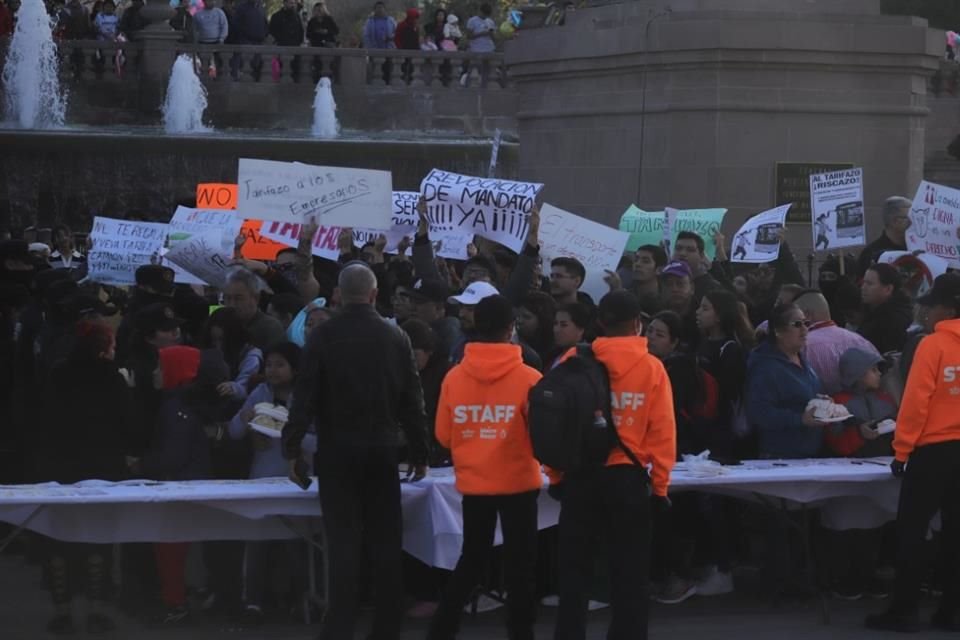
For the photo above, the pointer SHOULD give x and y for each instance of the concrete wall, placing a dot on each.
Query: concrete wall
(272, 106)
(72, 176)
(716, 94)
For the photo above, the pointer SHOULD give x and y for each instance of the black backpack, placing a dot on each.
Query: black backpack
(569, 417)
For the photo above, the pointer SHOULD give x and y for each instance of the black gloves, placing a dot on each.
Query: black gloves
(898, 468)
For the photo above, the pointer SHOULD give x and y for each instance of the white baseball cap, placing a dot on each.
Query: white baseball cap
(473, 294)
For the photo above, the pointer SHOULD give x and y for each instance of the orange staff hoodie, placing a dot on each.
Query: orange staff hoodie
(482, 419)
(642, 407)
(930, 411)
(642, 402)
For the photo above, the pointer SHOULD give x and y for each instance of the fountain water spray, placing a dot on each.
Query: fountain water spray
(31, 85)
(325, 123)
(186, 99)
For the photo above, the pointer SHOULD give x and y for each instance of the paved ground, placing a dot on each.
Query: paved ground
(25, 609)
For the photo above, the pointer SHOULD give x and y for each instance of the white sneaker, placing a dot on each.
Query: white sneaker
(675, 591)
(715, 583)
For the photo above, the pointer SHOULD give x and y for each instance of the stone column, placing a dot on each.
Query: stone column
(691, 103)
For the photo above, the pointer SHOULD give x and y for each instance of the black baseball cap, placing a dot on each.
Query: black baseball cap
(429, 290)
(156, 276)
(157, 317)
(618, 307)
(81, 304)
(945, 291)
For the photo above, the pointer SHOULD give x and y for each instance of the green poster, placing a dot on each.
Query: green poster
(646, 227)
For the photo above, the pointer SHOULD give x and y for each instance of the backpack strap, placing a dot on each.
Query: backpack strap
(585, 351)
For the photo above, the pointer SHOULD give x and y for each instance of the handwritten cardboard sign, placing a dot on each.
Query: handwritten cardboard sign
(648, 227)
(935, 218)
(224, 223)
(596, 246)
(489, 207)
(215, 195)
(122, 246)
(295, 192)
(202, 255)
(403, 224)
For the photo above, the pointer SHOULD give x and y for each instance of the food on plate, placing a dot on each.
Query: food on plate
(886, 426)
(825, 409)
(270, 416)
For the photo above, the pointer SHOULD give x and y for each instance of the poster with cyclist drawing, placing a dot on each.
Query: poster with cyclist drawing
(836, 205)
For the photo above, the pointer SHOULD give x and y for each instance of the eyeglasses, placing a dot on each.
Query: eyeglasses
(797, 324)
(559, 276)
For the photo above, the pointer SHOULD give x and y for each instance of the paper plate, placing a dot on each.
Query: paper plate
(267, 431)
(275, 412)
(832, 420)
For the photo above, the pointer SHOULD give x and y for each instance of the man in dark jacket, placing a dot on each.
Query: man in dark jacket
(287, 31)
(359, 386)
(896, 221)
(285, 25)
(248, 25)
(888, 311)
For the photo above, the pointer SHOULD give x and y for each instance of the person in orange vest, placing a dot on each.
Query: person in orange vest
(482, 420)
(616, 499)
(927, 448)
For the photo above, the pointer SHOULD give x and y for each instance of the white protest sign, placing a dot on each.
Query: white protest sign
(295, 192)
(446, 244)
(202, 255)
(187, 221)
(758, 240)
(494, 209)
(836, 209)
(121, 246)
(596, 246)
(935, 220)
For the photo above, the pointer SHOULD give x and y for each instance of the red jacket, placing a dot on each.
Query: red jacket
(6, 20)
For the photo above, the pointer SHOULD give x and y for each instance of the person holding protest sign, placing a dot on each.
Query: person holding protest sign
(690, 248)
(359, 385)
(497, 475)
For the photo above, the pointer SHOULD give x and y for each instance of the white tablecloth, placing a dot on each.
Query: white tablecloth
(139, 511)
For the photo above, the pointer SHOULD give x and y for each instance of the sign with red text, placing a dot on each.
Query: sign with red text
(935, 220)
(295, 192)
(598, 247)
(403, 224)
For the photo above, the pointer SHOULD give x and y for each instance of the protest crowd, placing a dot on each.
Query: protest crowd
(385, 357)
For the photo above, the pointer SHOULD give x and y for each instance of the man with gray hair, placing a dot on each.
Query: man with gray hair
(826, 342)
(242, 292)
(359, 385)
(896, 221)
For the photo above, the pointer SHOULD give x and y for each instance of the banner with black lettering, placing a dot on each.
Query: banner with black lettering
(489, 207)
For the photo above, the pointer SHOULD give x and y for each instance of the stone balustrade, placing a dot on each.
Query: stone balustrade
(83, 60)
